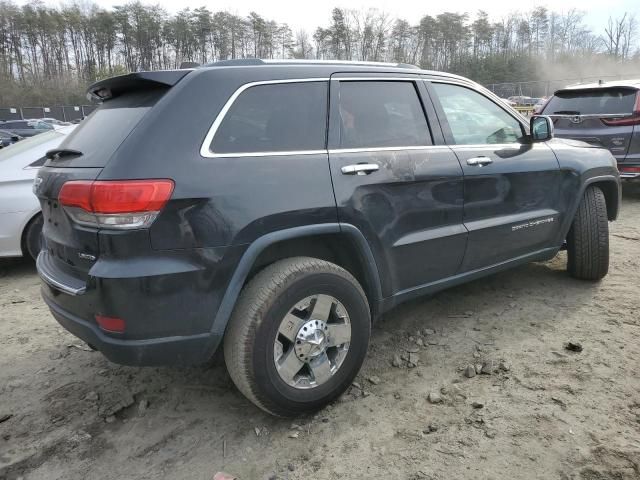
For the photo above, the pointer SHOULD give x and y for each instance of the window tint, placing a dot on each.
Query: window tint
(282, 117)
(589, 102)
(102, 132)
(474, 119)
(381, 114)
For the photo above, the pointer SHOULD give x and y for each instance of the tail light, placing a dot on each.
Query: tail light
(116, 204)
(634, 119)
(629, 169)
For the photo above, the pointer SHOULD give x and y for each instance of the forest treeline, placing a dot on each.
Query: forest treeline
(49, 54)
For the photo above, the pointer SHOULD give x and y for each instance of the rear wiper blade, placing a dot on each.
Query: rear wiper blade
(62, 152)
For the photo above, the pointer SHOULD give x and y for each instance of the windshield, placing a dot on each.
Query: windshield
(29, 143)
(592, 102)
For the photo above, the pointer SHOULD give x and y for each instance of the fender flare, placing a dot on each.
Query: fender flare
(590, 181)
(257, 246)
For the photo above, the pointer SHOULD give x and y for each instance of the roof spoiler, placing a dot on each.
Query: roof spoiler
(114, 86)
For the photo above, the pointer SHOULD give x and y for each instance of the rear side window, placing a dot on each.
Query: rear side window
(284, 117)
(102, 132)
(592, 102)
(381, 114)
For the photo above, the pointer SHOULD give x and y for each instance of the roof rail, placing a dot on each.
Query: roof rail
(240, 62)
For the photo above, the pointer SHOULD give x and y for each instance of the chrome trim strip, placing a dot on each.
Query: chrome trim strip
(206, 152)
(382, 149)
(629, 175)
(486, 146)
(262, 154)
(55, 283)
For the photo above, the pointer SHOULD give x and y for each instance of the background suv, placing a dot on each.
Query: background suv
(281, 207)
(603, 114)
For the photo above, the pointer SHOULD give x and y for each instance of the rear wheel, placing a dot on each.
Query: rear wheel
(32, 237)
(298, 335)
(588, 239)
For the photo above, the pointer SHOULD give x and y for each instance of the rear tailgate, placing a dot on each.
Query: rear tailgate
(603, 117)
(69, 248)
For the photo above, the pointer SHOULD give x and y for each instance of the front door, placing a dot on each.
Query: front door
(402, 192)
(511, 186)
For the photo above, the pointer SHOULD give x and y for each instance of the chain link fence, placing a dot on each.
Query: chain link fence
(65, 113)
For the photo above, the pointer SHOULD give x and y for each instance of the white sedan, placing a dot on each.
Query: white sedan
(20, 217)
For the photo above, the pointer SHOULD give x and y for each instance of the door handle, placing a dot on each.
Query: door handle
(360, 169)
(479, 161)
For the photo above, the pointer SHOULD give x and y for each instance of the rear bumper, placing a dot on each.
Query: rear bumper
(178, 351)
(167, 300)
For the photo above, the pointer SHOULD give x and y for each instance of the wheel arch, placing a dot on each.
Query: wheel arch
(611, 189)
(23, 232)
(610, 186)
(321, 241)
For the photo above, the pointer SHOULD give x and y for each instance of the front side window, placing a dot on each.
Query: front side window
(381, 114)
(474, 119)
(282, 117)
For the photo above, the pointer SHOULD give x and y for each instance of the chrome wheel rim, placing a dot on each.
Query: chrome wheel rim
(312, 341)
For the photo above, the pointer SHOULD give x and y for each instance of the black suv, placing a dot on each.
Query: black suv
(279, 208)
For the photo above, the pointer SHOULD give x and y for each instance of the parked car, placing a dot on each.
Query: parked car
(523, 101)
(305, 201)
(26, 128)
(603, 114)
(8, 138)
(20, 217)
(539, 105)
(55, 122)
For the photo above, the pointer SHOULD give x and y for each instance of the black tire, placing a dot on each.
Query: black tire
(588, 239)
(32, 237)
(263, 303)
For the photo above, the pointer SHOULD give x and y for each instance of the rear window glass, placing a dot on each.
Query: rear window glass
(101, 133)
(590, 102)
(282, 117)
(381, 114)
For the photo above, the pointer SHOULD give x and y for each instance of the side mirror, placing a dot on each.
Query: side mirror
(541, 128)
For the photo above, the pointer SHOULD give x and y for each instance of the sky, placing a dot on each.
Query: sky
(311, 14)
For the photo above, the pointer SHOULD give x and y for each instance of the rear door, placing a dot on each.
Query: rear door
(399, 189)
(511, 187)
(603, 117)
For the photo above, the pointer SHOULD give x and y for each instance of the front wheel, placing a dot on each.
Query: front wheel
(298, 335)
(588, 239)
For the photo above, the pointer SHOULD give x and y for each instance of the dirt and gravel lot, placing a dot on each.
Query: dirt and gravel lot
(543, 412)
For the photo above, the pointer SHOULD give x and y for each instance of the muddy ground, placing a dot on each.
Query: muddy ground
(544, 412)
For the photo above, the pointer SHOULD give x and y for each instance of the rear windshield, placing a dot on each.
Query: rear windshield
(590, 102)
(101, 133)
